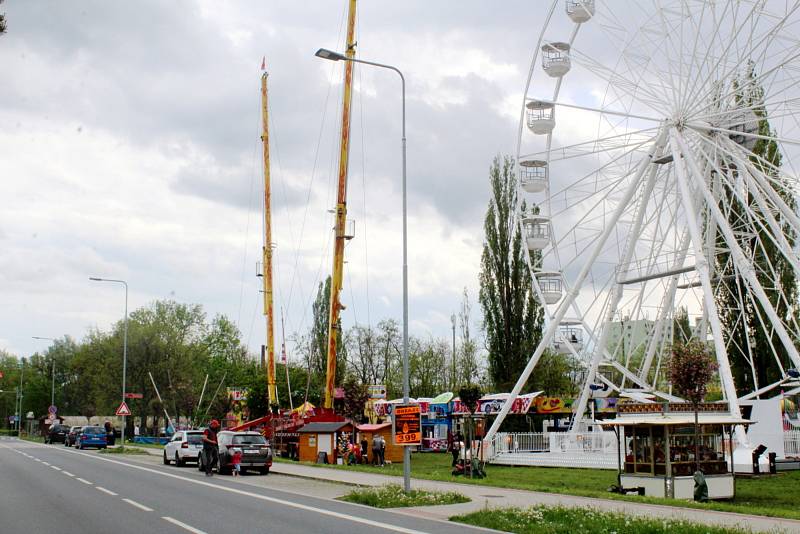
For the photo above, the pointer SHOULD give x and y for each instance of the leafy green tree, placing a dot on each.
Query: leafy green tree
(746, 329)
(2, 21)
(555, 375)
(512, 316)
(691, 368)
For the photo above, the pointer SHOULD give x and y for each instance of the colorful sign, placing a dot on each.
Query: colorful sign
(52, 410)
(407, 424)
(546, 405)
(492, 404)
(134, 396)
(376, 391)
(123, 410)
(238, 412)
(606, 405)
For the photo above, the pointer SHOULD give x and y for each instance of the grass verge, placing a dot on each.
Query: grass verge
(767, 495)
(118, 450)
(393, 496)
(561, 520)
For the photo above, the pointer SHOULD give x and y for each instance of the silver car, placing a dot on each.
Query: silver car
(184, 446)
(256, 452)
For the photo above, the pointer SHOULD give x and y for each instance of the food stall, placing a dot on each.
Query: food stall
(658, 458)
(323, 441)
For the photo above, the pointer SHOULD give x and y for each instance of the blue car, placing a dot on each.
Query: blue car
(92, 436)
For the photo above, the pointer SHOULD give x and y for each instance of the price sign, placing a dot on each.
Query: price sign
(407, 424)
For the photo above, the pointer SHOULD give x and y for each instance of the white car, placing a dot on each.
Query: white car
(184, 446)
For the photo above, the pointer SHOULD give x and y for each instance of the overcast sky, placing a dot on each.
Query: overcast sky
(129, 148)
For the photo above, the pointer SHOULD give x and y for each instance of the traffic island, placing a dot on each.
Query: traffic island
(393, 496)
(120, 450)
(566, 520)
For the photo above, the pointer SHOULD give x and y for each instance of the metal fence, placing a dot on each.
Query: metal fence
(552, 442)
(791, 443)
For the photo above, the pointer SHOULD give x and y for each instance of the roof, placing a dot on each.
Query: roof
(323, 427)
(373, 428)
(676, 419)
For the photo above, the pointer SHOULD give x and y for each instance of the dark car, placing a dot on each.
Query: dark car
(256, 453)
(57, 434)
(72, 435)
(92, 436)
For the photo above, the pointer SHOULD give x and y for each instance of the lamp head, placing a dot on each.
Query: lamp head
(324, 53)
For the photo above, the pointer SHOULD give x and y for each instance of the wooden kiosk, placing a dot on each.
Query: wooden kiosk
(319, 438)
(659, 448)
(393, 453)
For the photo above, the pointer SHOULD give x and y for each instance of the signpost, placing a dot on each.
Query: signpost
(52, 409)
(407, 424)
(123, 410)
(134, 396)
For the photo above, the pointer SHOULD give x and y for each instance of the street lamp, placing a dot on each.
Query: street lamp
(335, 56)
(53, 373)
(124, 345)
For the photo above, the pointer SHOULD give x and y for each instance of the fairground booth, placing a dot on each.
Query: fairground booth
(392, 454)
(658, 458)
(324, 442)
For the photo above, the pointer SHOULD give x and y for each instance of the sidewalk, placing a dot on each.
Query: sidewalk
(493, 497)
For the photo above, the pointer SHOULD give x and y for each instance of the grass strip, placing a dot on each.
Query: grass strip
(393, 496)
(118, 450)
(563, 520)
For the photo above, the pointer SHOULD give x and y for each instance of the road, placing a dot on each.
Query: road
(50, 488)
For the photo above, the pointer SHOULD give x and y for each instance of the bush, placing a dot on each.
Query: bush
(563, 520)
(393, 496)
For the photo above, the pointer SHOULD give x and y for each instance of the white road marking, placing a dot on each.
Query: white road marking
(38, 460)
(290, 504)
(56, 468)
(83, 480)
(45, 463)
(183, 525)
(68, 473)
(105, 490)
(137, 505)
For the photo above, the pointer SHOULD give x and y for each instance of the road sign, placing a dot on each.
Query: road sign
(52, 409)
(407, 424)
(134, 396)
(376, 391)
(123, 410)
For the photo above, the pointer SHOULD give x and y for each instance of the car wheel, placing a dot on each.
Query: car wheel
(80, 447)
(263, 471)
(178, 461)
(166, 460)
(200, 466)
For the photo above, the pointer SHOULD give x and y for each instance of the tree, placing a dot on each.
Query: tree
(356, 395)
(512, 316)
(2, 21)
(554, 375)
(749, 335)
(691, 368)
(469, 396)
(468, 369)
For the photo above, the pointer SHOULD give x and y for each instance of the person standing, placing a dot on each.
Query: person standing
(210, 449)
(376, 449)
(383, 452)
(236, 460)
(364, 451)
(455, 448)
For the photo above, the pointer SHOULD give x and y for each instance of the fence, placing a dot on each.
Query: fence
(552, 442)
(791, 443)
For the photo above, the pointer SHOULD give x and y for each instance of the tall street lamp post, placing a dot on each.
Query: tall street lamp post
(53, 373)
(124, 345)
(335, 56)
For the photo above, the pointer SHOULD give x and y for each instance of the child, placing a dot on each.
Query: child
(236, 459)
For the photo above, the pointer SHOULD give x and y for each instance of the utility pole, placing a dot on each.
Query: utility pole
(453, 381)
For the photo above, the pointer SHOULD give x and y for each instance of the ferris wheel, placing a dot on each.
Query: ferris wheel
(655, 155)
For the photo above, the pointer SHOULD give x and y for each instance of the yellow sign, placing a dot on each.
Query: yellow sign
(407, 424)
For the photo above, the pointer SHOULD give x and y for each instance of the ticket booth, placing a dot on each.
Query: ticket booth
(393, 454)
(657, 445)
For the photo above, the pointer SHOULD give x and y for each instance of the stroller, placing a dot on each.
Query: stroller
(469, 468)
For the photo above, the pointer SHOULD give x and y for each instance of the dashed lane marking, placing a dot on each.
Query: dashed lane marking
(83, 480)
(138, 505)
(45, 463)
(99, 488)
(183, 525)
(56, 468)
(68, 473)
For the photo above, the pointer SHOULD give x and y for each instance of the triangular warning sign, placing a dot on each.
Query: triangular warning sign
(123, 409)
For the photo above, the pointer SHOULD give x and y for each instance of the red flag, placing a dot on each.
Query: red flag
(264, 63)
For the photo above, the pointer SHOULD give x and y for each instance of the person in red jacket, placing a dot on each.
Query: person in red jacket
(210, 449)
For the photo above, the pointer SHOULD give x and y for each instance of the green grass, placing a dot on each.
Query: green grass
(560, 520)
(393, 496)
(35, 439)
(769, 495)
(147, 445)
(118, 450)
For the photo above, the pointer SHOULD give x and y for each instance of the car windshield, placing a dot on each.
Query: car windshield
(93, 430)
(249, 440)
(194, 438)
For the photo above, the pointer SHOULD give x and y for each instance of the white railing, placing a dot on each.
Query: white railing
(552, 442)
(791, 443)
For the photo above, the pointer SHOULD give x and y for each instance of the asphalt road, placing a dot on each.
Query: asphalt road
(49, 488)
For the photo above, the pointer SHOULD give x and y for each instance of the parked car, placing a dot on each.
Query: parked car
(185, 446)
(92, 436)
(56, 434)
(256, 452)
(72, 436)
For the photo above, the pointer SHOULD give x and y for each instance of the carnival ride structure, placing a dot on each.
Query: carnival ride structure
(656, 146)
